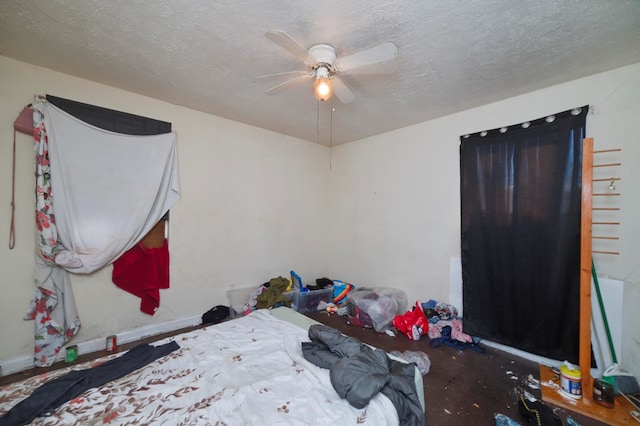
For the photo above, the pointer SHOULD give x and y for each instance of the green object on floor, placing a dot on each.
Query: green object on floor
(604, 314)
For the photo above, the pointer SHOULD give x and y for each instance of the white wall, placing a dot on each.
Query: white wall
(396, 195)
(257, 204)
(252, 208)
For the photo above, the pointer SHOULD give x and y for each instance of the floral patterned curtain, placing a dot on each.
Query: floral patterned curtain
(53, 327)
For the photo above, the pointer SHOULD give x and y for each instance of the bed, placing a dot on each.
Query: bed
(246, 371)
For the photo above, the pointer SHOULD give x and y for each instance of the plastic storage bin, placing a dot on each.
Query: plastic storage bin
(309, 301)
(239, 301)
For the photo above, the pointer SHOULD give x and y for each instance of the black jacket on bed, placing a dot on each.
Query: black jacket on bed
(358, 372)
(51, 395)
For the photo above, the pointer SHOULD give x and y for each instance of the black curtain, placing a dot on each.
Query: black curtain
(520, 189)
(112, 120)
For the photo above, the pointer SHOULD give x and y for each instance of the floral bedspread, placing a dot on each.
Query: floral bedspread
(247, 371)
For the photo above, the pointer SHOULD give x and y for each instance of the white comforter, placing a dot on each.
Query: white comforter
(248, 371)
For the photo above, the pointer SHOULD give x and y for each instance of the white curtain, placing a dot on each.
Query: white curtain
(109, 189)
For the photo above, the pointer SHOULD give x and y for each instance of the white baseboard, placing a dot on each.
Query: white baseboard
(522, 354)
(24, 362)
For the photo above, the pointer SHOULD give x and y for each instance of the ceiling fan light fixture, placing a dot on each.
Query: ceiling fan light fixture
(322, 86)
(323, 89)
(326, 69)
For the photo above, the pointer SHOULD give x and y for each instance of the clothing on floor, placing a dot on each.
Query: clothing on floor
(358, 372)
(436, 326)
(274, 294)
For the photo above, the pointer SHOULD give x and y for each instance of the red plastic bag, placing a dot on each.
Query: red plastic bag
(413, 323)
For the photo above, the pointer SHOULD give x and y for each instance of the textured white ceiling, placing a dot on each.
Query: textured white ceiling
(206, 55)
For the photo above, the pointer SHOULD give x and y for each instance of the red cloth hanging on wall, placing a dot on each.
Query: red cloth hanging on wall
(143, 272)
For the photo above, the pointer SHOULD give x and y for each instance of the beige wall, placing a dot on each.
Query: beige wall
(396, 195)
(252, 208)
(256, 204)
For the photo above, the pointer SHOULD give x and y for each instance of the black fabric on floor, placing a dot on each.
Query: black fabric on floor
(52, 394)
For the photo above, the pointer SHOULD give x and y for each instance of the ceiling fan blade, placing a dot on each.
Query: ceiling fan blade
(284, 74)
(388, 67)
(287, 84)
(365, 58)
(289, 44)
(342, 92)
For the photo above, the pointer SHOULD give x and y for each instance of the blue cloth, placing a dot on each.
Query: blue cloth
(429, 304)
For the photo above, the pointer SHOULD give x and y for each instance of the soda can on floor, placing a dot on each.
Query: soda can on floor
(112, 343)
(71, 354)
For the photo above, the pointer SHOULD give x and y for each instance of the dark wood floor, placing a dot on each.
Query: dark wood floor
(461, 388)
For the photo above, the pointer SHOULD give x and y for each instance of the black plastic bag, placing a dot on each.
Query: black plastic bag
(215, 315)
(537, 413)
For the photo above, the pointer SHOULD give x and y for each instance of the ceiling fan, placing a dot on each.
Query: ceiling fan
(324, 65)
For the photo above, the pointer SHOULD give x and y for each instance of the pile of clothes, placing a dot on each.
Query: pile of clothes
(358, 372)
(445, 327)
